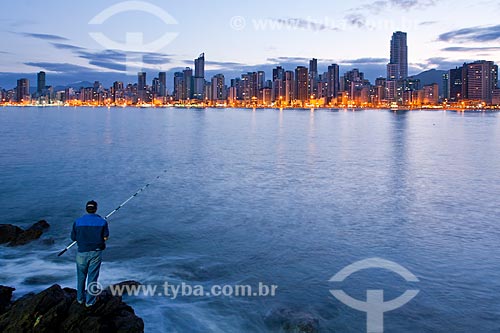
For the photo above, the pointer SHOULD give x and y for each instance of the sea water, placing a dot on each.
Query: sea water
(280, 197)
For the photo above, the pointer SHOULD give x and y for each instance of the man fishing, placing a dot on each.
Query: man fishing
(90, 233)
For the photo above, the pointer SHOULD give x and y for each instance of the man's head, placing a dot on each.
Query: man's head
(91, 207)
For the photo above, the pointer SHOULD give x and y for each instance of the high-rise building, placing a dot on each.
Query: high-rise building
(117, 91)
(250, 82)
(199, 66)
(289, 87)
(278, 84)
(446, 85)
(141, 81)
(23, 90)
(199, 77)
(332, 81)
(40, 78)
(178, 86)
(430, 94)
(237, 84)
(187, 84)
(482, 77)
(141, 85)
(218, 88)
(155, 87)
(301, 81)
(162, 77)
(398, 65)
(457, 83)
(313, 77)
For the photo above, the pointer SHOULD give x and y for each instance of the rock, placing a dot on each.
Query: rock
(290, 321)
(9, 232)
(16, 236)
(41, 225)
(5, 296)
(56, 310)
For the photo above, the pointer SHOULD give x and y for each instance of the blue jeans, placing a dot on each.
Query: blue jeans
(88, 265)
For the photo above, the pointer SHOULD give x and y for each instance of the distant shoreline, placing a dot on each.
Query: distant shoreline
(453, 109)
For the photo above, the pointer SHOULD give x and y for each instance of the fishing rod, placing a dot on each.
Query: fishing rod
(115, 210)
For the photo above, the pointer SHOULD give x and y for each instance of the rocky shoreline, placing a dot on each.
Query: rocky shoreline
(55, 309)
(14, 236)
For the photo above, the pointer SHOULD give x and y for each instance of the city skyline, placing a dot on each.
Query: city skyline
(238, 39)
(472, 85)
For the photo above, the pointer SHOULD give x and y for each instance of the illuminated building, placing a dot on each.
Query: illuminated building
(199, 77)
(301, 84)
(23, 90)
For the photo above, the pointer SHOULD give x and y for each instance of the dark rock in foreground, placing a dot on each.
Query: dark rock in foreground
(56, 310)
(5, 296)
(16, 236)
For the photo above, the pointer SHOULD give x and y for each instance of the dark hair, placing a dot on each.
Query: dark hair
(91, 207)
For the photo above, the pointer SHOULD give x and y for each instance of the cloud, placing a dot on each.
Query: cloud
(58, 67)
(410, 4)
(428, 23)
(473, 34)
(365, 61)
(43, 36)
(280, 60)
(470, 49)
(358, 20)
(443, 63)
(381, 5)
(116, 60)
(304, 24)
(63, 46)
(156, 59)
(108, 65)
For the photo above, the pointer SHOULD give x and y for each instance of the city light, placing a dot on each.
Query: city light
(471, 86)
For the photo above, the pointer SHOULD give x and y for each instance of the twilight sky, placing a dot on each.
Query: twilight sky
(236, 36)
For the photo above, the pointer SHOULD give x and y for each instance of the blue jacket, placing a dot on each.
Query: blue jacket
(89, 232)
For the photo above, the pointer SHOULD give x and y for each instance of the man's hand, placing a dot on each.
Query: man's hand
(105, 238)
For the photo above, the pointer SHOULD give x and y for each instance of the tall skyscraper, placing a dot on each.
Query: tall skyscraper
(218, 85)
(155, 87)
(397, 68)
(162, 77)
(40, 78)
(289, 86)
(178, 86)
(117, 91)
(250, 85)
(457, 83)
(446, 85)
(187, 84)
(141, 85)
(141, 81)
(482, 77)
(237, 84)
(199, 77)
(261, 79)
(23, 90)
(332, 81)
(313, 77)
(278, 83)
(301, 80)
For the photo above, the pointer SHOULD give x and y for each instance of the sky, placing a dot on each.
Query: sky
(111, 40)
